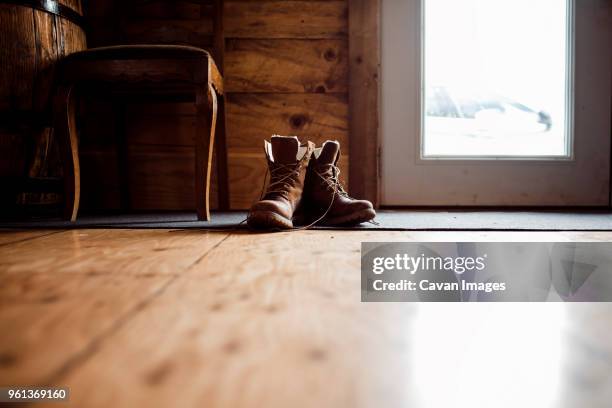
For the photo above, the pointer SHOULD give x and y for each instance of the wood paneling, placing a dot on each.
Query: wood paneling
(161, 177)
(161, 31)
(316, 117)
(160, 138)
(286, 19)
(286, 66)
(161, 124)
(162, 186)
(251, 119)
(100, 186)
(169, 9)
(286, 72)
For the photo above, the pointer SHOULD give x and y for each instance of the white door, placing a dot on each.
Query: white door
(496, 102)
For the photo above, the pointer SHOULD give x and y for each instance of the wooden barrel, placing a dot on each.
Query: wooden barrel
(34, 34)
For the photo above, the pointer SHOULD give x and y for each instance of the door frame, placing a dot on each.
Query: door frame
(364, 60)
(592, 120)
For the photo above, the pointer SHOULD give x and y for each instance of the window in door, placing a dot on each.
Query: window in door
(496, 78)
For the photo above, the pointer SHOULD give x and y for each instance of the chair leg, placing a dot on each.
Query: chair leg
(64, 125)
(206, 106)
(222, 168)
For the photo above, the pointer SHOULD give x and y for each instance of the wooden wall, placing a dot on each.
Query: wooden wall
(286, 72)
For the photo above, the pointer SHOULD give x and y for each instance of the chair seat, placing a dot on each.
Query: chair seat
(137, 52)
(142, 66)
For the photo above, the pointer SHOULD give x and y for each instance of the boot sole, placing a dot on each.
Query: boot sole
(350, 219)
(268, 220)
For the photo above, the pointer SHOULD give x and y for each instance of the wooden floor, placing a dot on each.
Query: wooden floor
(187, 318)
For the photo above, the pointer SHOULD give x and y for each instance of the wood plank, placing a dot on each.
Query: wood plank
(64, 315)
(219, 34)
(161, 124)
(156, 109)
(246, 178)
(103, 30)
(18, 56)
(160, 177)
(163, 178)
(286, 66)
(316, 117)
(168, 31)
(286, 19)
(135, 252)
(100, 184)
(98, 124)
(169, 9)
(364, 90)
(251, 119)
(106, 276)
(12, 236)
(100, 9)
(100, 187)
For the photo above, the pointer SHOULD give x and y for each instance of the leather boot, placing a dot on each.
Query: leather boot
(287, 164)
(325, 195)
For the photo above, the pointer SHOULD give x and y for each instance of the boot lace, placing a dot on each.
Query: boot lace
(282, 178)
(332, 182)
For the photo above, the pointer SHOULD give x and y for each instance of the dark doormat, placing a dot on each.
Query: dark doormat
(409, 220)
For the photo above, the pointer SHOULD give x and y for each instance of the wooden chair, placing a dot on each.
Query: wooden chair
(150, 70)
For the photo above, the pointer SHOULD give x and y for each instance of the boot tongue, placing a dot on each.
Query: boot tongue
(285, 149)
(329, 152)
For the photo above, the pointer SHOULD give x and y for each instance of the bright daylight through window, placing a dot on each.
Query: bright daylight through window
(495, 78)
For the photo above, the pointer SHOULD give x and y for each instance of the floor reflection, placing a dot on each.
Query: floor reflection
(512, 355)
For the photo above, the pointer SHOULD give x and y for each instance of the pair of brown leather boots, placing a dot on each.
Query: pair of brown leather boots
(304, 188)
